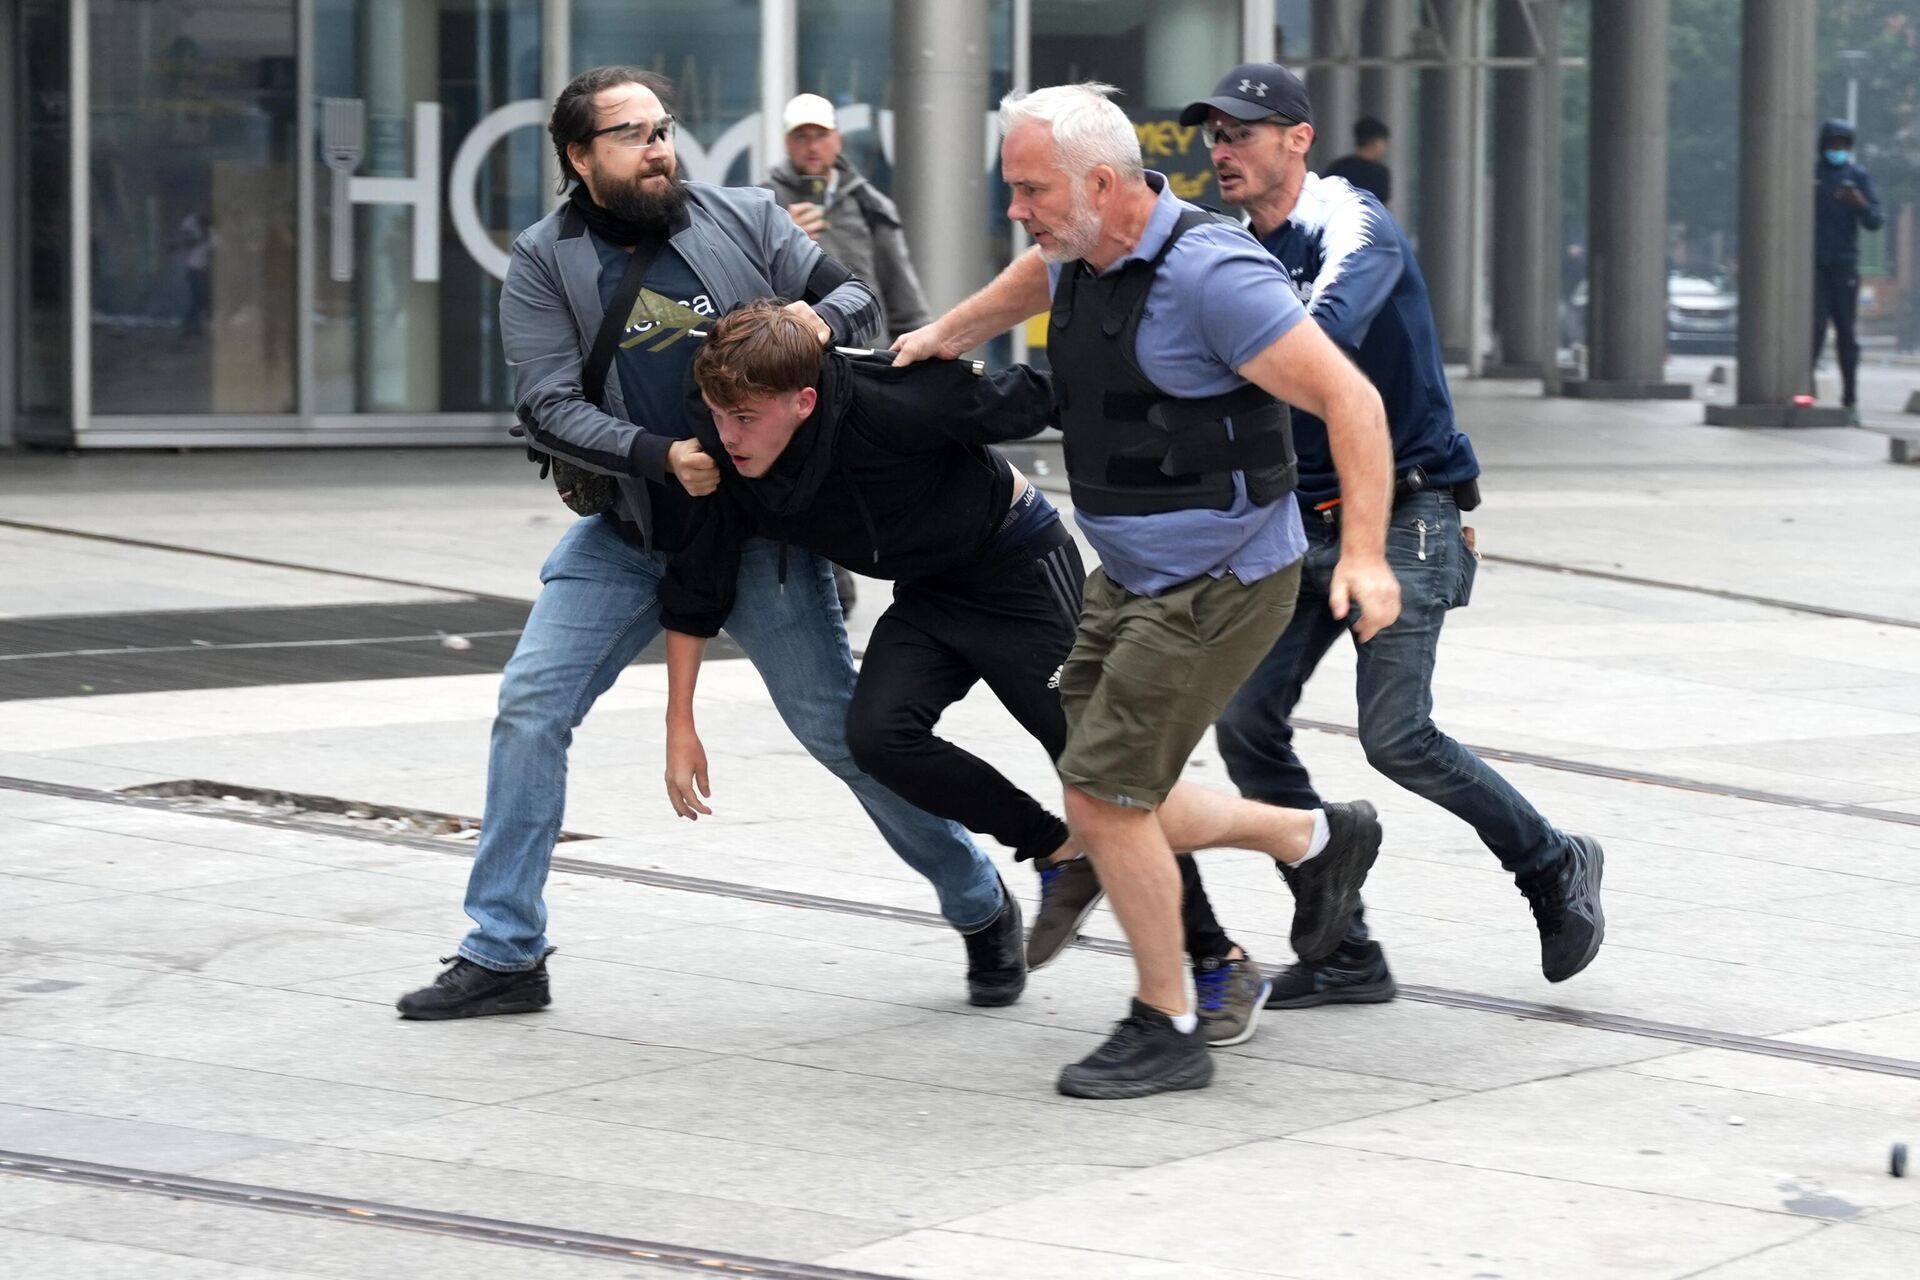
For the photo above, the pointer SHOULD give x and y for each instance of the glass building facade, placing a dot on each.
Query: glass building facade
(284, 222)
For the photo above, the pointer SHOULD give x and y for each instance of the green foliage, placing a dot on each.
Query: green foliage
(1703, 134)
(1888, 32)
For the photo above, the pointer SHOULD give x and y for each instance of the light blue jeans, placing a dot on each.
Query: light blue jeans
(598, 608)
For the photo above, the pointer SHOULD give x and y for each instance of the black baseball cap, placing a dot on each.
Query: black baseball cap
(1254, 91)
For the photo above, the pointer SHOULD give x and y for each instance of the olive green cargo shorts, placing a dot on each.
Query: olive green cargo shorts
(1149, 675)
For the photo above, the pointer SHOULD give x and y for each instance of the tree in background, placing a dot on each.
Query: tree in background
(1888, 32)
(1703, 137)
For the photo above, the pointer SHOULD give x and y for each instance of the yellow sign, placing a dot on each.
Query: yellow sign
(1176, 150)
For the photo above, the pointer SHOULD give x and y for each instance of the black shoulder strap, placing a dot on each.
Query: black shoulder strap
(593, 379)
(1130, 292)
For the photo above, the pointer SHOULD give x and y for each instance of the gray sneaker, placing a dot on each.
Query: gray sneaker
(1068, 894)
(1231, 994)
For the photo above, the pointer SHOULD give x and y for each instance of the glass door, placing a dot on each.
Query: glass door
(424, 170)
(190, 168)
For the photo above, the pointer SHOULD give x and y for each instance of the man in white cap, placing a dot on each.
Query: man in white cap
(847, 215)
(854, 223)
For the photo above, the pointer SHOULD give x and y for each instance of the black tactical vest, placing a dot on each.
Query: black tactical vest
(1131, 448)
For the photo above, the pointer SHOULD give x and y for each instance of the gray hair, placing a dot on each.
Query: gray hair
(1088, 129)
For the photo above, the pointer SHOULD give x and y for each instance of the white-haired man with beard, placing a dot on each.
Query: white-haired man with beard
(634, 241)
(1174, 341)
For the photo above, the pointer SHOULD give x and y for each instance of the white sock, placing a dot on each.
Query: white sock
(1186, 1023)
(1321, 835)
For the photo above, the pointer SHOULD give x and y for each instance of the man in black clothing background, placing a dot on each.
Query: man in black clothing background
(1843, 203)
(1365, 167)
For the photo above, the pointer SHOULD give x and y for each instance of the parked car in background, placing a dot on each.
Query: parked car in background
(1702, 315)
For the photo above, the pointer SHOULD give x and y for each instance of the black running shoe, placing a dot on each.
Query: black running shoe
(996, 957)
(1144, 1055)
(469, 990)
(1565, 898)
(1353, 974)
(1326, 889)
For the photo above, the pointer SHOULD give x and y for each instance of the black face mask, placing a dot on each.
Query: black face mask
(629, 213)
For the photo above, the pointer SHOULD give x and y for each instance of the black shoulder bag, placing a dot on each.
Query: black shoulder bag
(588, 493)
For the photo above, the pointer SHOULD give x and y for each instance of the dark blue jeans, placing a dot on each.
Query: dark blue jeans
(1394, 686)
(599, 607)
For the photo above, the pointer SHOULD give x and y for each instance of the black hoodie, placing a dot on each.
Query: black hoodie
(890, 476)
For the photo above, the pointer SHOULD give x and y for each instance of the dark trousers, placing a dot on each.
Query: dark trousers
(1394, 685)
(1010, 623)
(1836, 297)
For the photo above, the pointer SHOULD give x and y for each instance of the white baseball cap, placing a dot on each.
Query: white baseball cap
(810, 108)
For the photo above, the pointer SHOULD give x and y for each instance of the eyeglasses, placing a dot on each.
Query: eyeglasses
(1238, 135)
(635, 135)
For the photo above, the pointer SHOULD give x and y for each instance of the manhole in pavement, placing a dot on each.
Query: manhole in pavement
(227, 800)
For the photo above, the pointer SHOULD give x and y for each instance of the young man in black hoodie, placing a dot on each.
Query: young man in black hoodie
(888, 471)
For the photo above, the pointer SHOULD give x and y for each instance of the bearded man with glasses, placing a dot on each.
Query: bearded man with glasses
(659, 256)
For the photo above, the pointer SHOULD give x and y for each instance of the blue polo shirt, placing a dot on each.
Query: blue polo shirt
(1217, 301)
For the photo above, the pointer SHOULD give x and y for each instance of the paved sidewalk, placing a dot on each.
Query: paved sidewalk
(800, 1081)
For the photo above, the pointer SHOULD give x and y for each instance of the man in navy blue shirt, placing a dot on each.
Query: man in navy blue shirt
(1352, 266)
(1843, 203)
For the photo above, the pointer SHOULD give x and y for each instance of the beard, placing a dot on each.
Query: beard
(1080, 235)
(655, 210)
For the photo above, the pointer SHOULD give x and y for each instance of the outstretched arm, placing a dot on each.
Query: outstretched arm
(686, 757)
(1010, 297)
(1305, 369)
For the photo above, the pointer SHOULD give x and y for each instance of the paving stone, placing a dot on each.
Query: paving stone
(190, 1095)
(1626, 1129)
(280, 1244)
(1328, 1212)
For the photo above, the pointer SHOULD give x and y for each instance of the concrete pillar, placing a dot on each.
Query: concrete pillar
(9, 201)
(940, 50)
(1526, 206)
(398, 328)
(1627, 206)
(1776, 220)
(1189, 45)
(556, 70)
(1445, 196)
(1385, 91)
(1335, 90)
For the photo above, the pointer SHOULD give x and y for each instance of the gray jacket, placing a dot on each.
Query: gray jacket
(738, 242)
(863, 233)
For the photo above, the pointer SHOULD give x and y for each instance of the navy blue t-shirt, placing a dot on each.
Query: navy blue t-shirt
(654, 371)
(1351, 264)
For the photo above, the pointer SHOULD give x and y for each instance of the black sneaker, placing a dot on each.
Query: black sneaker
(1144, 1055)
(1326, 890)
(1565, 898)
(469, 990)
(996, 957)
(1353, 974)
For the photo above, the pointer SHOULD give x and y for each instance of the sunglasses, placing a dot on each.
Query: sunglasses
(635, 135)
(1237, 135)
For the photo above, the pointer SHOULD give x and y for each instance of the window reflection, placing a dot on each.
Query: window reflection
(405, 318)
(192, 183)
